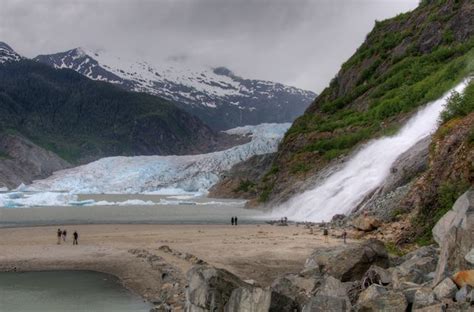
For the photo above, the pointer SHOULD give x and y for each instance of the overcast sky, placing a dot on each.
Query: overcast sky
(297, 42)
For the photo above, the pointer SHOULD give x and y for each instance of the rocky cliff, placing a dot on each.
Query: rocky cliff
(404, 63)
(22, 161)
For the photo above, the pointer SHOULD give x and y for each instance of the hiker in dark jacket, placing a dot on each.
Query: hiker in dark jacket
(235, 220)
(59, 236)
(76, 236)
(232, 220)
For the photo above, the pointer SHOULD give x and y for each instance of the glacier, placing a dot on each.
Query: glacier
(346, 188)
(158, 175)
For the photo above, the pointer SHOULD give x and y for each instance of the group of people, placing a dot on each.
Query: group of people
(62, 235)
(233, 220)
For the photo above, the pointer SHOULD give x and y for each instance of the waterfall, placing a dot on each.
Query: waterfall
(343, 190)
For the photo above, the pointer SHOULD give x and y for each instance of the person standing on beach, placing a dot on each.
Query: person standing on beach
(232, 220)
(59, 236)
(344, 235)
(76, 236)
(64, 235)
(235, 221)
(326, 234)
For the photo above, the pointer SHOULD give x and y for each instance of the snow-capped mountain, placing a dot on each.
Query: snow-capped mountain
(7, 54)
(220, 98)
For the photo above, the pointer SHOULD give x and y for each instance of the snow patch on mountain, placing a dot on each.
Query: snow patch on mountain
(145, 174)
(7, 54)
(209, 93)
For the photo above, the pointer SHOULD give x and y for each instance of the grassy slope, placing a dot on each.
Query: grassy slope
(447, 179)
(404, 63)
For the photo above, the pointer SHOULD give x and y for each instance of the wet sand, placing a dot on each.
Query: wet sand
(257, 252)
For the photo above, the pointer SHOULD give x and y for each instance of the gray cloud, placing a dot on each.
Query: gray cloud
(297, 42)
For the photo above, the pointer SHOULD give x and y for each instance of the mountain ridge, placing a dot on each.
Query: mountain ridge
(217, 96)
(82, 120)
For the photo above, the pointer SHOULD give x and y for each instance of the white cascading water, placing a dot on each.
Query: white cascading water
(342, 191)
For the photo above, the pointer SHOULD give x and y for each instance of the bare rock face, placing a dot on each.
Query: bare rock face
(348, 263)
(454, 232)
(22, 161)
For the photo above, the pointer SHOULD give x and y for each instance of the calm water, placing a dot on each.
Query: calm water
(201, 211)
(66, 291)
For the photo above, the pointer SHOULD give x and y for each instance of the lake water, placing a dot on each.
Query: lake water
(195, 210)
(66, 291)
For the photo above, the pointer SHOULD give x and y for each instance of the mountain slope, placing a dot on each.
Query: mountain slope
(217, 96)
(82, 120)
(7, 54)
(404, 63)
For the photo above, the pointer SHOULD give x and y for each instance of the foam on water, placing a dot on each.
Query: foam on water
(342, 191)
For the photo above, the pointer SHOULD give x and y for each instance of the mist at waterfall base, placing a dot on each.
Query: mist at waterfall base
(346, 188)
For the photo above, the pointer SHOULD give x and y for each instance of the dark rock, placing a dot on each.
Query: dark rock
(211, 289)
(348, 263)
(298, 288)
(376, 275)
(464, 294)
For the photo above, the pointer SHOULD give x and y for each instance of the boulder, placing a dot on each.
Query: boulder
(249, 299)
(438, 307)
(409, 290)
(297, 287)
(402, 275)
(445, 289)
(212, 289)
(454, 232)
(424, 297)
(425, 251)
(375, 299)
(371, 293)
(366, 223)
(349, 262)
(464, 278)
(464, 294)
(469, 257)
(320, 303)
(376, 275)
(332, 287)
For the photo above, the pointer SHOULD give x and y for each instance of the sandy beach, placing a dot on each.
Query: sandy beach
(135, 253)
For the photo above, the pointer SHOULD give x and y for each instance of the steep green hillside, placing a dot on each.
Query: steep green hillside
(404, 63)
(80, 119)
(450, 172)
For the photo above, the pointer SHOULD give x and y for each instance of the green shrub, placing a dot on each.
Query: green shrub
(244, 186)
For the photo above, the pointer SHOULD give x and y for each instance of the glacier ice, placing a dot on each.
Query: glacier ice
(158, 175)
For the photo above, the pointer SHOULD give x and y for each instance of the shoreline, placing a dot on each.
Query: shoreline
(152, 260)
